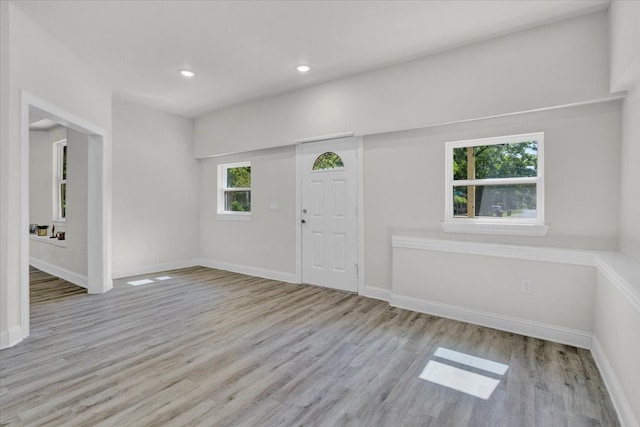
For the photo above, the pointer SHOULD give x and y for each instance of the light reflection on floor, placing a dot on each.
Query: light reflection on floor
(147, 281)
(473, 361)
(463, 380)
(140, 282)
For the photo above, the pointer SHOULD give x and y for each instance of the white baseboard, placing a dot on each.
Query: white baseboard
(10, 337)
(377, 293)
(60, 272)
(250, 271)
(620, 402)
(155, 268)
(526, 327)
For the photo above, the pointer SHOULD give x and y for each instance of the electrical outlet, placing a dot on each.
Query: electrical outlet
(526, 286)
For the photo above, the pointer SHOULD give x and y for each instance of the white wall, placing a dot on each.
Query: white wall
(625, 75)
(581, 204)
(7, 320)
(617, 350)
(73, 256)
(556, 64)
(624, 38)
(40, 177)
(630, 176)
(155, 190)
(243, 243)
(617, 320)
(492, 285)
(34, 61)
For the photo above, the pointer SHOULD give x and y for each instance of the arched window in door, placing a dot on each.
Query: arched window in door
(328, 160)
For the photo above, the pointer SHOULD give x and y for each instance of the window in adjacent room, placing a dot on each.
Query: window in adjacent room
(495, 185)
(234, 190)
(60, 180)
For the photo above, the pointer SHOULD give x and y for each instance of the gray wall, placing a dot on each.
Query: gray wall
(73, 256)
(630, 176)
(244, 243)
(155, 190)
(40, 176)
(489, 284)
(617, 336)
(625, 75)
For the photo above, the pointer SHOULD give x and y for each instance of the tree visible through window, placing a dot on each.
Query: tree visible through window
(326, 161)
(235, 188)
(496, 178)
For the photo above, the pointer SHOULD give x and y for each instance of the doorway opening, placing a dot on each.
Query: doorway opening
(98, 200)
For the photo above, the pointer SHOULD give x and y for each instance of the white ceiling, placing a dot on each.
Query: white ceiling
(244, 50)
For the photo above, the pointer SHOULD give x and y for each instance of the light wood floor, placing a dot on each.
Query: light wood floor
(214, 348)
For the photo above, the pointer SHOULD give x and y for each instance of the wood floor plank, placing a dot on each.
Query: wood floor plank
(214, 348)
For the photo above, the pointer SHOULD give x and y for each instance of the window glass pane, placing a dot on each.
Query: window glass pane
(239, 177)
(327, 161)
(497, 201)
(63, 200)
(460, 163)
(237, 201)
(460, 201)
(64, 162)
(513, 160)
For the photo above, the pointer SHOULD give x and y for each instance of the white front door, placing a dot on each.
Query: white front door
(329, 217)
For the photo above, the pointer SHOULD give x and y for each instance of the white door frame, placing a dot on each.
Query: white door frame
(360, 216)
(98, 199)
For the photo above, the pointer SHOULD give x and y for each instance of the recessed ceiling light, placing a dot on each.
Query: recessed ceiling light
(303, 68)
(187, 73)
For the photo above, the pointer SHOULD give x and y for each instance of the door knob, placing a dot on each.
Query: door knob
(304, 221)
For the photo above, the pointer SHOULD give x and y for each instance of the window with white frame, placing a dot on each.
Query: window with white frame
(495, 185)
(234, 189)
(60, 180)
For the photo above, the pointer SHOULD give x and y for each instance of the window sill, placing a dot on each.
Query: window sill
(49, 241)
(536, 230)
(234, 216)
